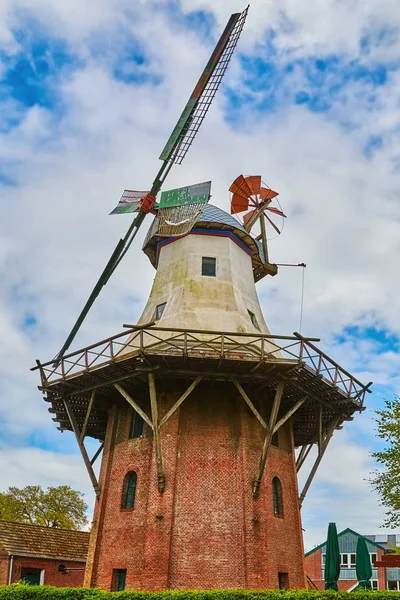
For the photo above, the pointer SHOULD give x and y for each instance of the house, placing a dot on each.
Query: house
(42, 555)
(388, 541)
(315, 561)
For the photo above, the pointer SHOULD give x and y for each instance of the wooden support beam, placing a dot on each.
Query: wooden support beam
(268, 438)
(89, 410)
(82, 448)
(321, 453)
(304, 452)
(320, 430)
(134, 405)
(96, 454)
(180, 400)
(156, 428)
(289, 413)
(249, 402)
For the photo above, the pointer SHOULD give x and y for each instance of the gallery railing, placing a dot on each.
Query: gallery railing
(190, 343)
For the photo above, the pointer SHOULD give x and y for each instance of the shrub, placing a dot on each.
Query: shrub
(28, 592)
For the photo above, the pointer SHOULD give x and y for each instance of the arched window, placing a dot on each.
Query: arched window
(129, 490)
(277, 496)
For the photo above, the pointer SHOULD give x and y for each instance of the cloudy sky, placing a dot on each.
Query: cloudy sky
(89, 92)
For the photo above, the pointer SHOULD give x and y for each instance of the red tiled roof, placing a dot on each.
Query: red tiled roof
(21, 539)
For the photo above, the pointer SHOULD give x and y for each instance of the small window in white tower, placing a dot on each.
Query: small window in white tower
(158, 313)
(208, 266)
(254, 320)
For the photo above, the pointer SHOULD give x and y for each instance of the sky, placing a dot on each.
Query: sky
(89, 93)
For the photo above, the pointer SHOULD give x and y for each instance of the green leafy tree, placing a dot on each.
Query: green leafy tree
(60, 506)
(386, 481)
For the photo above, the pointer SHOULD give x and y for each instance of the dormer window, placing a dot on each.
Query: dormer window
(254, 320)
(159, 311)
(208, 266)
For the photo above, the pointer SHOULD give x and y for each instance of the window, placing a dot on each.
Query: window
(393, 586)
(137, 426)
(159, 311)
(32, 576)
(323, 560)
(118, 580)
(208, 266)
(277, 496)
(348, 561)
(254, 320)
(374, 557)
(283, 581)
(374, 584)
(129, 491)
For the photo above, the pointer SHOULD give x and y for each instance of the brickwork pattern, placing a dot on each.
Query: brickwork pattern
(206, 530)
(52, 576)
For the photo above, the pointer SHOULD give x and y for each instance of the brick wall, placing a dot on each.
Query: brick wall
(313, 566)
(4, 566)
(206, 530)
(51, 574)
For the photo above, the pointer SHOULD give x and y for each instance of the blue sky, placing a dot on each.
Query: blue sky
(87, 100)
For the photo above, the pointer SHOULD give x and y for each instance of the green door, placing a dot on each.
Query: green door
(31, 576)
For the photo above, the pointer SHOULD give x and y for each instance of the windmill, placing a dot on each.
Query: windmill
(174, 152)
(248, 192)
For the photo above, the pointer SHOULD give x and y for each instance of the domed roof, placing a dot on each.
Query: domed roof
(213, 217)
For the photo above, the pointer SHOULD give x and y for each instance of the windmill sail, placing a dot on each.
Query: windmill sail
(129, 202)
(203, 94)
(174, 152)
(179, 209)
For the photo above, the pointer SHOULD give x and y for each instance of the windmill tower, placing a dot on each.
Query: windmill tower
(198, 409)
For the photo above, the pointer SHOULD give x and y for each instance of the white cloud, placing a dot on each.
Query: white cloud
(343, 211)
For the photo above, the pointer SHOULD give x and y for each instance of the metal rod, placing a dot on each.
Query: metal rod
(181, 399)
(134, 404)
(82, 448)
(157, 441)
(10, 571)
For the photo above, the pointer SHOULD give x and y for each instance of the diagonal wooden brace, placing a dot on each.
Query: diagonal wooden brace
(289, 413)
(304, 452)
(180, 400)
(321, 451)
(89, 410)
(249, 403)
(82, 448)
(268, 438)
(156, 429)
(134, 404)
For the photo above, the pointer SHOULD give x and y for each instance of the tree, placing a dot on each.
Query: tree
(60, 506)
(387, 480)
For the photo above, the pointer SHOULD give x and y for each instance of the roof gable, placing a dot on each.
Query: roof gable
(21, 539)
(344, 533)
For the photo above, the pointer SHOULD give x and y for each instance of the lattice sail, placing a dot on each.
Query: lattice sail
(197, 107)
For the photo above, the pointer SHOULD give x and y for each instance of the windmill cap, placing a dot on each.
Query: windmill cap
(215, 218)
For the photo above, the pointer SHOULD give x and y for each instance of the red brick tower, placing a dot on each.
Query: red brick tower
(199, 410)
